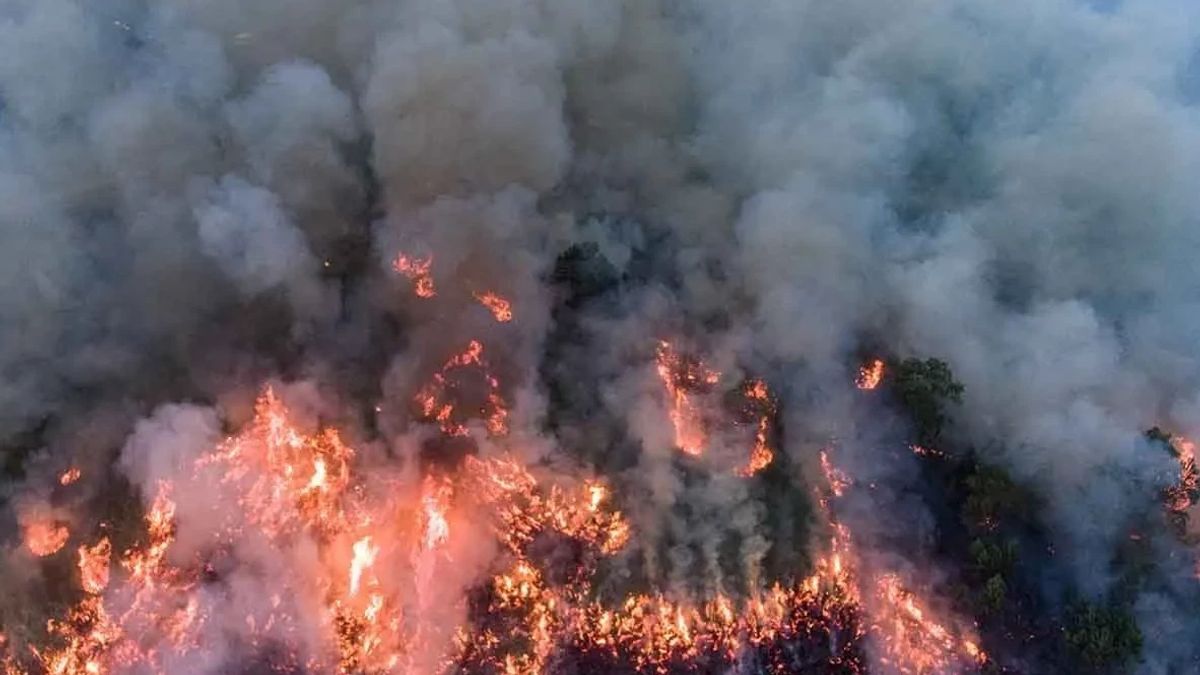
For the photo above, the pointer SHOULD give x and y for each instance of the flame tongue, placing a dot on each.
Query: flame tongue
(364, 556)
(681, 377)
(500, 308)
(870, 375)
(436, 527)
(761, 455)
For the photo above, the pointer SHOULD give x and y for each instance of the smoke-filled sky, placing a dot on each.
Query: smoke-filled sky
(199, 196)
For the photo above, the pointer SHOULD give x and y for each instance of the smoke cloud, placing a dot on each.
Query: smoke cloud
(197, 197)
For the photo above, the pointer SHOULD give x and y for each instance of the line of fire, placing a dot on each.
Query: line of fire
(373, 553)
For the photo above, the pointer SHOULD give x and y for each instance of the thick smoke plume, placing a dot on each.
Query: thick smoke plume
(199, 198)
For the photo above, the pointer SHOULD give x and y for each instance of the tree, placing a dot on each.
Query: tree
(992, 495)
(1103, 637)
(993, 559)
(924, 388)
(584, 271)
(995, 591)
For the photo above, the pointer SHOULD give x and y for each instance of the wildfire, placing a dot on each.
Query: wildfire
(45, 537)
(870, 375)
(69, 476)
(419, 271)
(681, 376)
(498, 306)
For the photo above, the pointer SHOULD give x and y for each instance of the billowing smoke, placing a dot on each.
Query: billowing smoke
(199, 198)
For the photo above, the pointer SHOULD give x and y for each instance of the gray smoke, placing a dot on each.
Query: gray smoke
(199, 195)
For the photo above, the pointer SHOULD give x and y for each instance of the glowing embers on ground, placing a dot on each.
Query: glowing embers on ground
(464, 376)
(419, 271)
(922, 451)
(870, 375)
(689, 386)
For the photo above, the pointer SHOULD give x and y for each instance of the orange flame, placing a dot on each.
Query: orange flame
(436, 527)
(498, 306)
(69, 476)
(870, 375)
(761, 455)
(373, 555)
(680, 376)
(1179, 496)
(913, 640)
(93, 566)
(45, 537)
(419, 271)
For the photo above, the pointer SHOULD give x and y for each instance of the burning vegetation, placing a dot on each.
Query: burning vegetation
(147, 609)
(371, 556)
